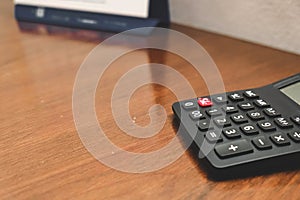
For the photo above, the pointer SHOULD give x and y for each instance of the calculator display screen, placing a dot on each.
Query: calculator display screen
(292, 91)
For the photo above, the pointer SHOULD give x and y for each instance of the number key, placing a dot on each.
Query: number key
(196, 115)
(239, 118)
(246, 106)
(231, 133)
(249, 129)
(266, 126)
(255, 115)
(222, 122)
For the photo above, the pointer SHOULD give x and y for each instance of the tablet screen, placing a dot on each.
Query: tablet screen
(133, 8)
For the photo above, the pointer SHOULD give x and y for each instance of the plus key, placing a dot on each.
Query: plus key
(234, 148)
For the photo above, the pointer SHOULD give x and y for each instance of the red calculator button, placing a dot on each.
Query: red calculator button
(205, 102)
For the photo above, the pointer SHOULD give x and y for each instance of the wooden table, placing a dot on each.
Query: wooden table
(42, 156)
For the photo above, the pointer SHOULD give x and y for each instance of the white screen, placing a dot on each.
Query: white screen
(134, 8)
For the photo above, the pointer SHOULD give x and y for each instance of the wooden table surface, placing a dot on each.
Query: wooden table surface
(42, 156)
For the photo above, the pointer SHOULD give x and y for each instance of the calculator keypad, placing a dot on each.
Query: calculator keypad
(248, 123)
(243, 133)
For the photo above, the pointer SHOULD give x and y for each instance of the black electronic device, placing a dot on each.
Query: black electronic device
(244, 133)
(103, 15)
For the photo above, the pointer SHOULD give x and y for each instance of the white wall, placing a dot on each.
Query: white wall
(274, 23)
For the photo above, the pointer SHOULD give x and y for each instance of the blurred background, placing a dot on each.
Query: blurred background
(274, 23)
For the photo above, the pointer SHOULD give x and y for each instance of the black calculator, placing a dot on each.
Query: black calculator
(244, 133)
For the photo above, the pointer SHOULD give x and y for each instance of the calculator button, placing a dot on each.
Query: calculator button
(239, 118)
(214, 137)
(221, 99)
(231, 133)
(203, 125)
(295, 135)
(214, 112)
(233, 148)
(261, 103)
(189, 105)
(280, 139)
(196, 115)
(255, 115)
(296, 119)
(229, 109)
(246, 106)
(236, 97)
(262, 143)
(222, 122)
(250, 94)
(283, 122)
(271, 112)
(249, 129)
(205, 102)
(266, 126)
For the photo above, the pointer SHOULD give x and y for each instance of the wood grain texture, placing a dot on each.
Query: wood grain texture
(42, 156)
